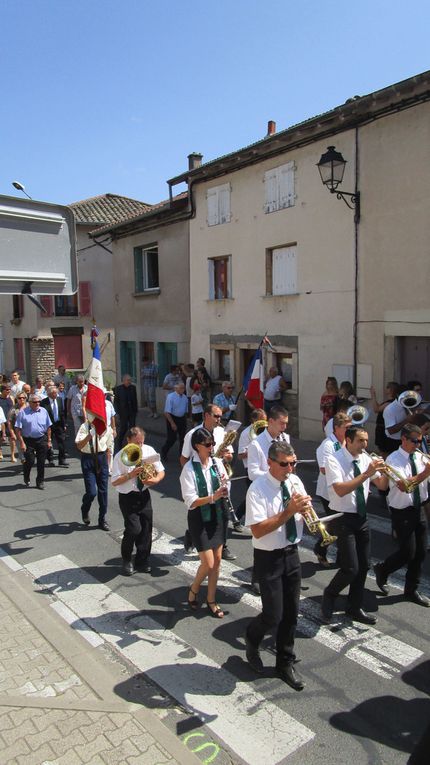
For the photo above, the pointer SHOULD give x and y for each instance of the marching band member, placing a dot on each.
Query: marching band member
(348, 475)
(408, 515)
(259, 448)
(203, 492)
(135, 504)
(330, 446)
(274, 504)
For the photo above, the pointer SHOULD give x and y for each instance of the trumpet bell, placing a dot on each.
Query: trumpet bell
(358, 414)
(131, 455)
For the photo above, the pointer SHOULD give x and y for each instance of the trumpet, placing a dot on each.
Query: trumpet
(131, 455)
(316, 525)
(393, 474)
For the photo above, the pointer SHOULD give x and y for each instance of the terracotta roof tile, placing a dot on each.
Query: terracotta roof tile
(107, 208)
(137, 216)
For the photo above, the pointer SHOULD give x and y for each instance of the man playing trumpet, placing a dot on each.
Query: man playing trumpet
(406, 501)
(135, 502)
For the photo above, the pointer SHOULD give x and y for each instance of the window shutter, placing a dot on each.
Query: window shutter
(138, 269)
(19, 352)
(212, 200)
(285, 271)
(85, 308)
(224, 203)
(271, 190)
(286, 185)
(48, 305)
(211, 279)
(229, 281)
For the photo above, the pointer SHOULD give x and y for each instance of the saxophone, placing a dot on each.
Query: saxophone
(228, 440)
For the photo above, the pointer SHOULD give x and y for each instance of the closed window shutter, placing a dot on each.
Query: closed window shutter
(286, 185)
(19, 352)
(212, 199)
(285, 271)
(138, 270)
(211, 279)
(85, 308)
(224, 203)
(48, 305)
(271, 190)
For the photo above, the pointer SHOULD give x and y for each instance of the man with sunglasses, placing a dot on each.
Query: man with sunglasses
(408, 515)
(275, 503)
(258, 449)
(33, 431)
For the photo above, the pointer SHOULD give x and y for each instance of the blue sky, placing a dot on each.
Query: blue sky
(111, 95)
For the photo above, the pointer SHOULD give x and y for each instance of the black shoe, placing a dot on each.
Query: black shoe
(289, 675)
(227, 554)
(381, 580)
(327, 607)
(415, 597)
(253, 657)
(321, 557)
(40, 485)
(103, 526)
(27, 482)
(85, 518)
(188, 542)
(63, 464)
(51, 464)
(238, 527)
(143, 568)
(358, 615)
(127, 568)
(255, 587)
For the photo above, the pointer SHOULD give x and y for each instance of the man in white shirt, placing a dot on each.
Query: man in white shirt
(348, 477)
(330, 446)
(408, 515)
(395, 417)
(273, 389)
(135, 503)
(274, 506)
(259, 448)
(16, 384)
(95, 470)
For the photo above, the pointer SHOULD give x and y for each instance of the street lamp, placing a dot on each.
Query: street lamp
(20, 187)
(331, 169)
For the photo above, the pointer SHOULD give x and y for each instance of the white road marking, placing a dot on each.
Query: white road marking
(265, 734)
(9, 561)
(81, 628)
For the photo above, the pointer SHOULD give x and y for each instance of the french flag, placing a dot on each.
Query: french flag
(253, 382)
(95, 403)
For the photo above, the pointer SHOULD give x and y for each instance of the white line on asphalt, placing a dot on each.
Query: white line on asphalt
(9, 561)
(265, 733)
(81, 628)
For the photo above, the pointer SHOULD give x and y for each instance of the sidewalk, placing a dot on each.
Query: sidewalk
(57, 704)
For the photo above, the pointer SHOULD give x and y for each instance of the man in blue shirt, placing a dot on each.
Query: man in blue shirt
(226, 400)
(175, 412)
(33, 431)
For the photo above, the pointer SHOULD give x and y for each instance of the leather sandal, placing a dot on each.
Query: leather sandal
(216, 611)
(193, 604)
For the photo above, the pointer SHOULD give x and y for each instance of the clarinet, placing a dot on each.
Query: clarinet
(226, 501)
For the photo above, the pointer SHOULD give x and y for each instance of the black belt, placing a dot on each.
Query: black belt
(290, 548)
(409, 507)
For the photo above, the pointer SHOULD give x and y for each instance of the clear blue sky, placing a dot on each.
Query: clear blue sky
(111, 95)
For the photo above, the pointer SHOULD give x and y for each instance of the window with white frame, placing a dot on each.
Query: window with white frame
(281, 270)
(146, 268)
(220, 278)
(279, 187)
(218, 199)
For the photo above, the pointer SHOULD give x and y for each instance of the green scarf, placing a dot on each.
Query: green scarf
(206, 510)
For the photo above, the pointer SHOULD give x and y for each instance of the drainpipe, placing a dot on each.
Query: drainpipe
(356, 261)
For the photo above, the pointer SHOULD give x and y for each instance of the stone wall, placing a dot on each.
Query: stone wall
(42, 357)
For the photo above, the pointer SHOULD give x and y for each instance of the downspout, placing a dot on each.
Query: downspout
(356, 261)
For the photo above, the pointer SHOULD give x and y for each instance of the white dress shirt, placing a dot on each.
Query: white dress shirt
(392, 414)
(118, 469)
(271, 389)
(105, 442)
(399, 460)
(244, 441)
(258, 451)
(218, 435)
(263, 501)
(325, 449)
(339, 469)
(188, 480)
(328, 429)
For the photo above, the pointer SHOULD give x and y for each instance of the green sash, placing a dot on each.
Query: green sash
(203, 491)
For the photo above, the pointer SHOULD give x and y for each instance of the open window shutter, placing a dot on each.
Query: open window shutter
(48, 304)
(271, 190)
(19, 352)
(285, 271)
(286, 185)
(229, 282)
(211, 279)
(224, 203)
(212, 199)
(85, 308)
(138, 269)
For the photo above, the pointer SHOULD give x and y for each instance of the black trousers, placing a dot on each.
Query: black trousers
(353, 549)
(58, 433)
(35, 451)
(410, 525)
(172, 435)
(136, 510)
(126, 421)
(279, 575)
(319, 549)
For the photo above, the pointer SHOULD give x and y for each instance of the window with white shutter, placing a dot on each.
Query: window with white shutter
(218, 199)
(284, 271)
(279, 187)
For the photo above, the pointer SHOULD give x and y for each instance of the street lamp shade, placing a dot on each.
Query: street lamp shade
(331, 168)
(20, 187)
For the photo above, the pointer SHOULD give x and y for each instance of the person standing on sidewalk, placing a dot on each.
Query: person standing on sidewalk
(149, 376)
(95, 470)
(135, 504)
(175, 412)
(33, 431)
(126, 408)
(55, 408)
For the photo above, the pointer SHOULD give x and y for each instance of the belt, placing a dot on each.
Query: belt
(290, 549)
(409, 507)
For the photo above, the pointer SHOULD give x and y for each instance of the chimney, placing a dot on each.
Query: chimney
(271, 128)
(194, 160)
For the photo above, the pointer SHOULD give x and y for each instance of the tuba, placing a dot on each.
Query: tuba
(358, 414)
(131, 456)
(410, 399)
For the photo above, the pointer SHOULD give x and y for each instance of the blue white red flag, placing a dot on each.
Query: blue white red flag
(253, 382)
(95, 403)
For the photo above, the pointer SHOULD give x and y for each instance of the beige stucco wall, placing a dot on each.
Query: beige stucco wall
(324, 231)
(163, 317)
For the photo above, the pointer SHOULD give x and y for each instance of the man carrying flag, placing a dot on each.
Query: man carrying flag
(94, 439)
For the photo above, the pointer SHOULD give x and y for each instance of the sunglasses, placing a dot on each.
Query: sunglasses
(293, 463)
(209, 445)
(415, 441)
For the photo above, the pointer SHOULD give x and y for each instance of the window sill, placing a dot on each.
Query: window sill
(286, 295)
(147, 293)
(220, 300)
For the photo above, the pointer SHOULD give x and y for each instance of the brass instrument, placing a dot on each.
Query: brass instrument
(393, 474)
(424, 455)
(410, 399)
(256, 428)
(131, 455)
(228, 440)
(358, 414)
(315, 524)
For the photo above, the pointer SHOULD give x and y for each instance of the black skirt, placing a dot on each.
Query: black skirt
(207, 535)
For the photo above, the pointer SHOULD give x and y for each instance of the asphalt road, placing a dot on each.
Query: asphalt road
(367, 689)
